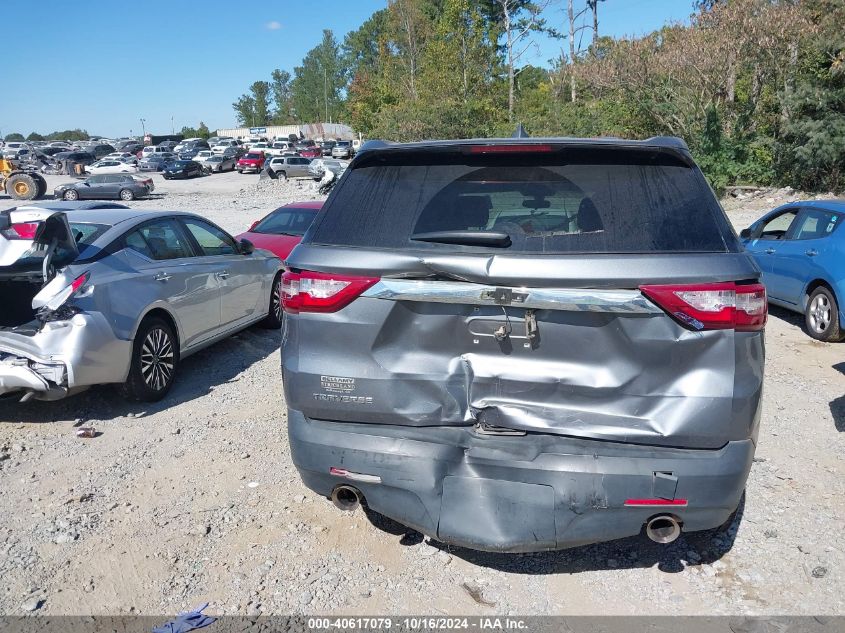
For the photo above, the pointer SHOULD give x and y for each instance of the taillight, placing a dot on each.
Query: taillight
(22, 231)
(716, 306)
(76, 287)
(308, 291)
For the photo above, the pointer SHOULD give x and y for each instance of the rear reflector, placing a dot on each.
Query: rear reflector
(22, 231)
(509, 149)
(656, 502)
(308, 291)
(347, 474)
(719, 306)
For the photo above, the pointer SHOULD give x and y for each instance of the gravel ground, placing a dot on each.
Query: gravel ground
(195, 498)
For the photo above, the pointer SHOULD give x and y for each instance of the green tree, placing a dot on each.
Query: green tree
(281, 92)
(69, 135)
(362, 48)
(812, 150)
(245, 110)
(199, 132)
(14, 136)
(318, 84)
(34, 136)
(260, 92)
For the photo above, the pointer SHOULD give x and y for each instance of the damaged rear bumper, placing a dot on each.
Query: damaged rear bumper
(50, 361)
(518, 494)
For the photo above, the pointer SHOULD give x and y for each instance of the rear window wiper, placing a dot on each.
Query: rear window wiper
(496, 239)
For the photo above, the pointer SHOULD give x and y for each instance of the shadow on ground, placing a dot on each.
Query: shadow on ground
(793, 318)
(197, 376)
(695, 548)
(837, 407)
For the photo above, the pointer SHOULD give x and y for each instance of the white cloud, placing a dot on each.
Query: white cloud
(273, 26)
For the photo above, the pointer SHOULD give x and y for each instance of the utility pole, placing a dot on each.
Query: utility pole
(172, 128)
(326, 91)
(143, 127)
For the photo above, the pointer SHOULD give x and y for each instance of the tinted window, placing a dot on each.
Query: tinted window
(814, 224)
(212, 240)
(136, 242)
(86, 233)
(286, 221)
(573, 200)
(162, 240)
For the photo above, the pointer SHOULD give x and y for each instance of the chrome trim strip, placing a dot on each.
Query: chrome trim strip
(567, 299)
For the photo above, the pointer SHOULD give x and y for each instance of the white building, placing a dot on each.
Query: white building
(306, 130)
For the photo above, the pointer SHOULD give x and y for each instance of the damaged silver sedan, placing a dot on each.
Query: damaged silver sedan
(525, 344)
(115, 295)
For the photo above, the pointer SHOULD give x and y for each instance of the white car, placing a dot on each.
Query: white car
(280, 148)
(185, 142)
(222, 145)
(13, 147)
(120, 156)
(111, 167)
(149, 150)
(259, 147)
(202, 156)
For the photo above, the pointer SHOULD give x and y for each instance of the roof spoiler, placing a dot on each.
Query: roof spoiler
(520, 132)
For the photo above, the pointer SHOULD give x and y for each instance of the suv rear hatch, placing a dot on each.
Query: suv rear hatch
(524, 288)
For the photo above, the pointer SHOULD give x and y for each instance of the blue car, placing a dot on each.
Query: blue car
(801, 251)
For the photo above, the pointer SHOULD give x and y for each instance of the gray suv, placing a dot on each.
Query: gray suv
(525, 344)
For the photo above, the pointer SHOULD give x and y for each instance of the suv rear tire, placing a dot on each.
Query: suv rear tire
(155, 357)
(822, 315)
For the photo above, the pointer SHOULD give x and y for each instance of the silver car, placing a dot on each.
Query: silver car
(219, 162)
(288, 167)
(120, 296)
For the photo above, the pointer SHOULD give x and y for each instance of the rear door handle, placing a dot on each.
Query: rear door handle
(223, 275)
(770, 251)
(162, 277)
(811, 252)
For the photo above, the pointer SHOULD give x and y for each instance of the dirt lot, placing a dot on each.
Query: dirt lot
(195, 499)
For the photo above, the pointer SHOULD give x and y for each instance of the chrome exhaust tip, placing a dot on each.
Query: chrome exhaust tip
(346, 498)
(663, 529)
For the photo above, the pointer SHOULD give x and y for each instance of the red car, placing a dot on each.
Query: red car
(251, 161)
(280, 230)
(311, 152)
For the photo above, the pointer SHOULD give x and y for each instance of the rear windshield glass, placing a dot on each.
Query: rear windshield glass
(286, 221)
(572, 200)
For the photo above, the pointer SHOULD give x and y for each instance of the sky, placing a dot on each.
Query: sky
(103, 65)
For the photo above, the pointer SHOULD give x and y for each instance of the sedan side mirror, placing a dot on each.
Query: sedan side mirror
(745, 234)
(247, 247)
